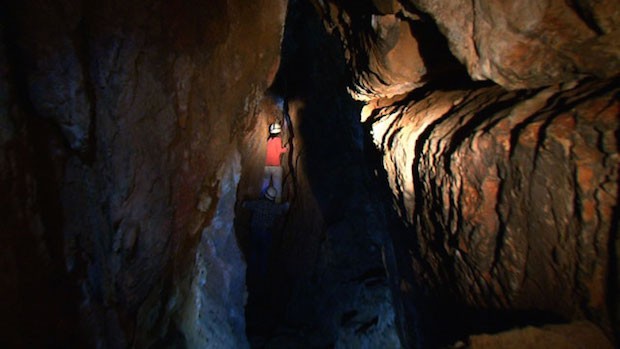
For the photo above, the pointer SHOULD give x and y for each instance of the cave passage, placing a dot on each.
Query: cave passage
(327, 284)
(326, 274)
(449, 178)
(335, 278)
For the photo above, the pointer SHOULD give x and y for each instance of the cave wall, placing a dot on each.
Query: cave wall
(121, 125)
(509, 186)
(391, 47)
(510, 196)
(127, 131)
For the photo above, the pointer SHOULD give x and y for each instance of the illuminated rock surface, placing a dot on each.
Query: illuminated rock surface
(478, 194)
(510, 197)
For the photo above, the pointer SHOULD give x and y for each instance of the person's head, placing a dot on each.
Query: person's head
(270, 193)
(275, 129)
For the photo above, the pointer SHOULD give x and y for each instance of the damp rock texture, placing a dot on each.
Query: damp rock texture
(380, 49)
(510, 196)
(529, 44)
(509, 187)
(395, 46)
(120, 128)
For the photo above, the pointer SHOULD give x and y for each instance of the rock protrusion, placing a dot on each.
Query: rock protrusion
(510, 195)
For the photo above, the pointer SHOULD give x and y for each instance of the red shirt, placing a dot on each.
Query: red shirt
(274, 150)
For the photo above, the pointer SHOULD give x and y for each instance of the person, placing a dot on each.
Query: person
(273, 167)
(264, 213)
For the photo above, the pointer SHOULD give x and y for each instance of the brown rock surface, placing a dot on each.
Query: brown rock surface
(510, 195)
(528, 44)
(570, 336)
(380, 49)
(121, 123)
(525, 44)
(127, 127)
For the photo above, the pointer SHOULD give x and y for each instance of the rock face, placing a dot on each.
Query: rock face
(120, 128)
(528, 44)
(386, 53)
(510, 196)
(510, 192)
(574, 335)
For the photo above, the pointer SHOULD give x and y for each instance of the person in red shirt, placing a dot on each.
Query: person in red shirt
(273, 167)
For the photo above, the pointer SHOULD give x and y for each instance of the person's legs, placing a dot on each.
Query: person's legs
(262, 247)
(277, 182)
(273, 175)
(267, 178)
(253, 270)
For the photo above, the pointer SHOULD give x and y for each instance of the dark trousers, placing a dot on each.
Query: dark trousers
(259, 254)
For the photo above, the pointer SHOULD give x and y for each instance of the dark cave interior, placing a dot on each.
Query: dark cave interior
(451, 174)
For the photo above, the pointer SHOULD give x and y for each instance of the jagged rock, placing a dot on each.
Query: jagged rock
(218, 294)
(510, 195)
(380, 49)
(517, 45)
(120, 120)
(528, 44)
